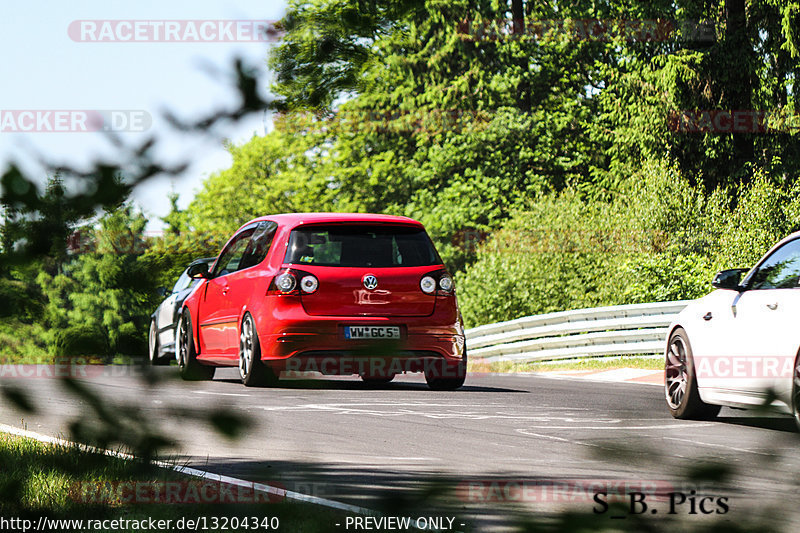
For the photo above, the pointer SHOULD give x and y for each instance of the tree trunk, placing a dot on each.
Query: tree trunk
(739, 92)
(523, 89)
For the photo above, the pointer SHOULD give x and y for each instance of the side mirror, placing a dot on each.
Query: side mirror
(162, 291)
(729, 279)
(198, 270)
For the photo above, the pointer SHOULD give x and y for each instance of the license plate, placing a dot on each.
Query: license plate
(372, 332)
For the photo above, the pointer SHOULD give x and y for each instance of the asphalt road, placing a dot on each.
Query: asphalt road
(506, 443)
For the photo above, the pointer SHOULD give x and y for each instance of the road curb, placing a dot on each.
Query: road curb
(617, 375)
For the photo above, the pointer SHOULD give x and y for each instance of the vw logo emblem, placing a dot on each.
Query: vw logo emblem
(370, 281)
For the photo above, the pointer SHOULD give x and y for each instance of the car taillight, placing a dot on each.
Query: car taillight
(439, 282)
(446, 283)
(309, 284)
(287, 282)
(427, 284)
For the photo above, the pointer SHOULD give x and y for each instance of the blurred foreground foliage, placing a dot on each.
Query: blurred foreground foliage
(60, 481)
(547, 170)
(79, 276)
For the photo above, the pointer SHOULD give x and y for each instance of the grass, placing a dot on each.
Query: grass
(66, 482)
(590, 363)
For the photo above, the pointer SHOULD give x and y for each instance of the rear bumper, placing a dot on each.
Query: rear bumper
(291, 340)
(293, 344)
(338, 363)
(331, 356)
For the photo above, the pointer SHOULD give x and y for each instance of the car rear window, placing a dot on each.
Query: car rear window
(360, 245)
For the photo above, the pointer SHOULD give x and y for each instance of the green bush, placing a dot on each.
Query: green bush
(563, 253)
(766, 211)
(666, 277)
(20, 297)
(21, 342)
(79, 340)
(16, 298)
(660, 239)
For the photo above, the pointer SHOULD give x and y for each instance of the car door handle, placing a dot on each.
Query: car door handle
(773, 306)
(708, 316)
(224, 290)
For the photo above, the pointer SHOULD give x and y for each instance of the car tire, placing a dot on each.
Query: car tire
(377, 380)
(253, 372)
(153, 346)
(438, 375)
(680, 381)
(190, 369)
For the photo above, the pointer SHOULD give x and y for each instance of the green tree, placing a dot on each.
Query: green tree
(742, 57)
(42, 220)
(176, 220)
(283, 171)
(100, 302)
(444, 119)
(463, 113)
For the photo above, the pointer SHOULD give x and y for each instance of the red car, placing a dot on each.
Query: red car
(353, 294)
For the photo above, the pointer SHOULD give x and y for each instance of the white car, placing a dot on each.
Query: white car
(738, 346)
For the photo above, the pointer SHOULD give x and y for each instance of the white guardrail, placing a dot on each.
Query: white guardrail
(638, 329)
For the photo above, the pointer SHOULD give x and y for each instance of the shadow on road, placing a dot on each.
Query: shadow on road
(783, 424)
(355, 384)
(402, 491)
(482, 502)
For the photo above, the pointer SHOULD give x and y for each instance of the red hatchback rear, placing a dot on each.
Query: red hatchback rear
(327, 292)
